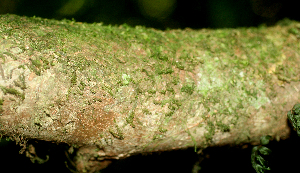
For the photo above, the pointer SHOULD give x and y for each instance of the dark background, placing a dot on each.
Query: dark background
(233, 159)
(160, 14)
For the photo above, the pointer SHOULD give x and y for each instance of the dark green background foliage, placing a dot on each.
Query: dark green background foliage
(215, 159)
(259, 163)
(260, 154)
(160, 14)
(294, 117)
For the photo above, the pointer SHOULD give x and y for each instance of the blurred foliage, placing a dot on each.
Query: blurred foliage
(156, 9)
(161, 14)
(294, 117)
(259, 163)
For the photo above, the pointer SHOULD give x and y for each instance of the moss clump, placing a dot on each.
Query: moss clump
(130, 118)
(21, 82)
(1, 109)
(188, 89)
(117, 133)
(13, 92)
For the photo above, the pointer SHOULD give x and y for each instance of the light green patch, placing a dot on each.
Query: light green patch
(126, 79)
(157, 136)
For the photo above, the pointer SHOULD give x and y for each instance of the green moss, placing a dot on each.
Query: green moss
(162, 92)
(151, 91)
(13, 92)
(162, 130)
(130, 118)
(146, 111)
(37, 63)
(81, 86)
(126, 79)
(46, 63)
(73, 78)
(21, 82)
(163, 69)
(36, 66)
(156, 102)
(189, 88)
(175, 80)
(193, 139)
(169, 114)
(179, 65)
(173, 105)
(147, 73)
(21, 67)
(210, 131)
(1, 109)
(223, 127)
(286, 73)
(157, 136)
(294, 31)
(11, 55)
(170, 89)
(117, 133)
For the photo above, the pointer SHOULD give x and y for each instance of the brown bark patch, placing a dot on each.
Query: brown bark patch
(92, 121)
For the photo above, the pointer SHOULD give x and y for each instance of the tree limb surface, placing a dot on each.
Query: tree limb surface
(125, 90)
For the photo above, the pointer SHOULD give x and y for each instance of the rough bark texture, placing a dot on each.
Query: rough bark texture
(115, 91)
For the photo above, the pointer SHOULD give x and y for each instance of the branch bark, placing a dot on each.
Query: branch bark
(115, 91)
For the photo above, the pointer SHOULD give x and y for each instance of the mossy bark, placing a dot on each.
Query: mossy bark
(119, 90)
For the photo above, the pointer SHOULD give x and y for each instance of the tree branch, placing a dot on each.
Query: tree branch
(124, 90)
